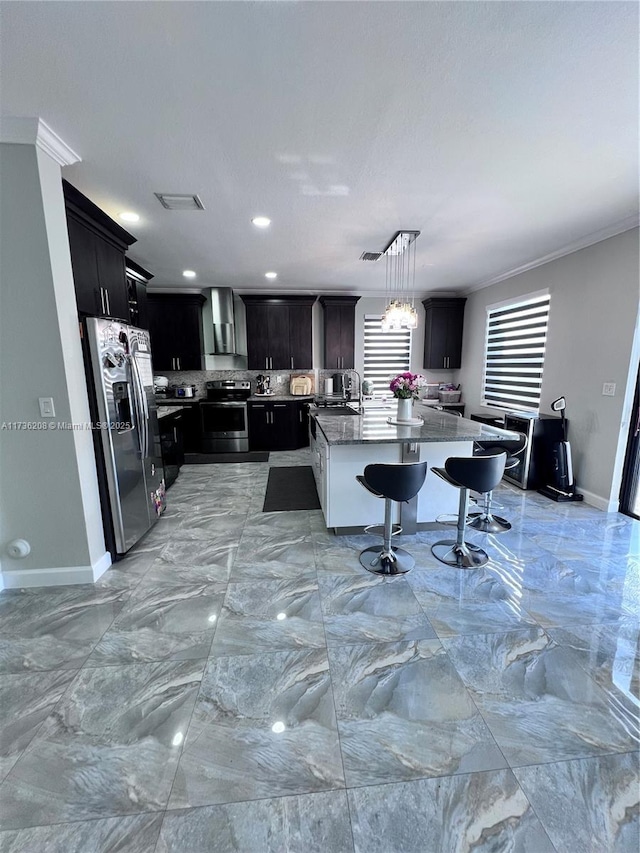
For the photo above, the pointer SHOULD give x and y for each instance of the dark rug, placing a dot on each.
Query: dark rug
(289, 489)
(218, 458)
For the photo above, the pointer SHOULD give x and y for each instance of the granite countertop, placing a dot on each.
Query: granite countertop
(165, 411)
(372, 427)
(178, 401)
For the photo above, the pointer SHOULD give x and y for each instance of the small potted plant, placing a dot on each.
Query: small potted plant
(405, 387)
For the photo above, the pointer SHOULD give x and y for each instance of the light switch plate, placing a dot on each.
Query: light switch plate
(47, 409)
(609, 389)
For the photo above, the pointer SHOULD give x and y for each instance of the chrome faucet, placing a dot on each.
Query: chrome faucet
(348, 385)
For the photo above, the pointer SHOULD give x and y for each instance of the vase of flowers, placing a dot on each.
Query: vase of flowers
(405, 387)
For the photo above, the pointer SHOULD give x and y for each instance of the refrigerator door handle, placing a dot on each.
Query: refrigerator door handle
(145, 408)
(141, 427)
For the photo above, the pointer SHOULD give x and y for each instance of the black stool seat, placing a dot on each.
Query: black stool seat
(486, 521)
(480, 474)
(397, 482)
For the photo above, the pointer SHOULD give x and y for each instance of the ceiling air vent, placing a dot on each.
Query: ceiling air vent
(177, 201)
(370, 256)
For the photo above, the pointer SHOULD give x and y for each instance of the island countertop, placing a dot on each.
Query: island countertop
(371, 427)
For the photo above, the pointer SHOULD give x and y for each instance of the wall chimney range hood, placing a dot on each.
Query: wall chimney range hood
(224, 333)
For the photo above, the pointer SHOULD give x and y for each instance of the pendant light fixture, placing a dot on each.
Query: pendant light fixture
(400, 282)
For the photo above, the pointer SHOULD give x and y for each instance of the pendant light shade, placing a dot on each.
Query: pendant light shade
(400, 282)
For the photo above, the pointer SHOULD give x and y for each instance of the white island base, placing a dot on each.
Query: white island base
(347, 505)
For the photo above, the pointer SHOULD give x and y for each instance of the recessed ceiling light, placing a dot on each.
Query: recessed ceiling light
(129, 216)
(189, 274)
(271, 275)
(261, 221)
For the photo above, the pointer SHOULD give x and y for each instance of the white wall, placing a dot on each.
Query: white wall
(592, 324)
(48, 484)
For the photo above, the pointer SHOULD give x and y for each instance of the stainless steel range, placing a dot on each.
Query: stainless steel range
(225, 426)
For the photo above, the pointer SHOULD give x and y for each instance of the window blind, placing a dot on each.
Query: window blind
(385, 353)
(514, 359)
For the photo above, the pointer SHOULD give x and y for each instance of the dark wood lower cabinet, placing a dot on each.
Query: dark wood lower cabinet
(277, 425)
(172, 444)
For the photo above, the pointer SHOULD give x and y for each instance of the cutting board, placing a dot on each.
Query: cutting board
(301, 385)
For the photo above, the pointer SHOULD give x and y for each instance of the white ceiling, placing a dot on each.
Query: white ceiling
(504, 132)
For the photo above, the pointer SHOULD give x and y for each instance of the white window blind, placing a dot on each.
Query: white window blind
(514, 359)
(385, 353)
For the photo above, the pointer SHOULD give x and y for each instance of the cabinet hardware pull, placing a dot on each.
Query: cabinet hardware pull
(266, 363)
(106, 293)
(101, 300)
(291, 362)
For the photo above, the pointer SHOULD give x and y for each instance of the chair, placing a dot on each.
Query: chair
(485, 520)
(393, 482)
(480, 474)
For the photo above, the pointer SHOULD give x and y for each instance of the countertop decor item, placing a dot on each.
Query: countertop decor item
(405, 387)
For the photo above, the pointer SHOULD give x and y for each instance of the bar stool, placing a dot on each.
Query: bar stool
(480, 474)
(393, 482)
(485, 520)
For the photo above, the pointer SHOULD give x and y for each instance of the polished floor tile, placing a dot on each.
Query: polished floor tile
(25, 701)
(591, 805)
(403, 713)
(539, 705)
(110, 748)
(137, 834)
(264, 725)
(479, 812)
(313, 823)
(492, 710)
(470, 602)
(162, 623)
(369, 608)
(269, 616)
(54, 628)
(610, 654)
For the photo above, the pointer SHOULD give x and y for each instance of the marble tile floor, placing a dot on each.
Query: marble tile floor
(239, 683)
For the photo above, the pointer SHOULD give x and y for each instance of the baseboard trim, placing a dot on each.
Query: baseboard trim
(599, 502)
(60, 576)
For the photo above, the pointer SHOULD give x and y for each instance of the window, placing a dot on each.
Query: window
(514, 357)
(385, 353)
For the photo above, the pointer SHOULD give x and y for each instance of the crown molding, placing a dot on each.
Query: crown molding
(34, 131)
(619, 227)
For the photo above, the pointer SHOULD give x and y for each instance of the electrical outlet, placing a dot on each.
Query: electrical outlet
(609, 389)
(47, 409)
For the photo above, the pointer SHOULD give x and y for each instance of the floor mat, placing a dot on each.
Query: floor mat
(218, 458)
(290, 489)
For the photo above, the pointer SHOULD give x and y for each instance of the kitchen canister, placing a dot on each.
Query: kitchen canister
(328, 385)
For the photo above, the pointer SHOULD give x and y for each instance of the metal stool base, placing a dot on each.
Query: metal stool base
(464, 556)
(488, 523)
(395, 562)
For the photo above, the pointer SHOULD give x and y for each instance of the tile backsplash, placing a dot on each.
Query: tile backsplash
(200, 377)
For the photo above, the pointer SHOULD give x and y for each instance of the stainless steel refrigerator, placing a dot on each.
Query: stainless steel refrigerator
(126, 424)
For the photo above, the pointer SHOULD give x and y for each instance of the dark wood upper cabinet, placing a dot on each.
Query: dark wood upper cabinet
(279, 332)
(339, 331)
(444, 320)
(98, 245)
(300, 337)
(137, 279)
(175, 325)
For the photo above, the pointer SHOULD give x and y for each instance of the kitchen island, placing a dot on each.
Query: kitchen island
(344, 444)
